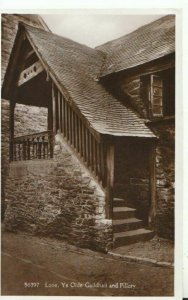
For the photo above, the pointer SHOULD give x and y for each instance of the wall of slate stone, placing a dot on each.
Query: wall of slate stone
(165, 178)
(129, 90)
(58, 197)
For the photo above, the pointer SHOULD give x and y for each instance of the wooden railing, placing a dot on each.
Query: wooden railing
(33, 146)
(68, 122)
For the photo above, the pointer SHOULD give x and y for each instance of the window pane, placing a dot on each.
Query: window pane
(156, 95)
(157, 91)
(157, 100)
(157, 110)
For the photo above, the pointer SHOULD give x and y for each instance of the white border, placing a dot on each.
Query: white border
(140, 7)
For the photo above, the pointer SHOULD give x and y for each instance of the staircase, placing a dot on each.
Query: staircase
(127, 228)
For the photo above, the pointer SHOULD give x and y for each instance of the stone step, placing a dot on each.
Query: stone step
(123, 213)
(118, 202)
(132, 236)
(127, 224)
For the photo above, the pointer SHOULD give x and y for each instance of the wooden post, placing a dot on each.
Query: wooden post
(69, 123)
(59, 111)
(83, 141)
(73, 127)
(63, 114)
(110, 180)
(80, 141)
(50, 116)
(152, 212)
(54, 108)
(91, 150)
(11, 124)
(66, 120)
(98, 159)
(76, 132)
(94, 157)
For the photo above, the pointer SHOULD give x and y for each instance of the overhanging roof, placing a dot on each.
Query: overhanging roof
(75, 68)
(147, 43)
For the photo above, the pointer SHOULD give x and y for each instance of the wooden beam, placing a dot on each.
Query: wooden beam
(30, 73)
(84, 141)
(72, 127)
(80, 137)
(31, 52)
(102, 163)
(94, 157)
(87, 146)
(110, 181)
(76, 133)
(152, 166)
(69, 124)
(11, 129)
(91, 150)
(50, 116)
(63, 114)
(98, 160)
(54, 108)
(59, 111)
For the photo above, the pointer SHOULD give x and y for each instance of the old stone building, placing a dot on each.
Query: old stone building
(93, 162)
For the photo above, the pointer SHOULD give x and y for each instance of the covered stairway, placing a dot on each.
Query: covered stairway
(44, 72)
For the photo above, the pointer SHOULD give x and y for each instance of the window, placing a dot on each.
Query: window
(156, 95)
(159, 90)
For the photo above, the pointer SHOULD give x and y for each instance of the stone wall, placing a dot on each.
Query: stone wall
(58, 197)
(165, 178)
(28, 119)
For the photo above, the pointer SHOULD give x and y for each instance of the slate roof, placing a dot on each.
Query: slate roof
(145, 44)
(76, 68)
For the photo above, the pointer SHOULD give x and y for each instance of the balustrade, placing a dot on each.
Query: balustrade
(77, 133)
(75, 130)
(33, 146)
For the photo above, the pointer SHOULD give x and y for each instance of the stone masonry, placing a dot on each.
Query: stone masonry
(58, 197)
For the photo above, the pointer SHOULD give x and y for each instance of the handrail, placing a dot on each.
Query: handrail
(34, 135)
(33, 146)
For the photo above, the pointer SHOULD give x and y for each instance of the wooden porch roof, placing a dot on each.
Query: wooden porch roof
(75, 69)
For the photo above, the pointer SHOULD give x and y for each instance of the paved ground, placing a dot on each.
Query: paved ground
(44, 266)
(158, 249)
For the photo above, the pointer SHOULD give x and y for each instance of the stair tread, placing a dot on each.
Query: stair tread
(126, 221)
(117, 209)
(119, 199)
(132, 233)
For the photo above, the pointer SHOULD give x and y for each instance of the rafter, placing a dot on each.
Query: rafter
(30, 72)
(31, 52)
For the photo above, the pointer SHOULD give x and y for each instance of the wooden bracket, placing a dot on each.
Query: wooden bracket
(30, 72)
